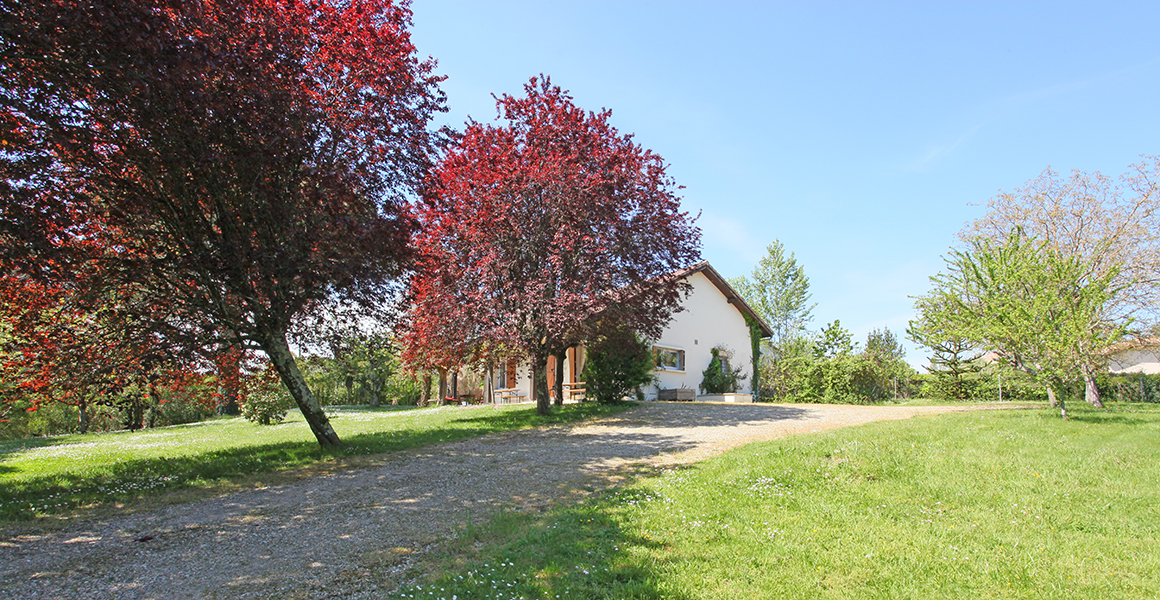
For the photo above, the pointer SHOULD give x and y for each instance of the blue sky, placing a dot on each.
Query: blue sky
(862, 135)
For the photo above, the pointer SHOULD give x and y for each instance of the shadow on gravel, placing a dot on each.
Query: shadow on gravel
(130, 480)
(698, 414)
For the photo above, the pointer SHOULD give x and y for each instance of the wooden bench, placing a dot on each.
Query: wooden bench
(506, 395)
(576, 391)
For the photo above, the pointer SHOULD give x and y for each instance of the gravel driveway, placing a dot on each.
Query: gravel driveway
(342, 535)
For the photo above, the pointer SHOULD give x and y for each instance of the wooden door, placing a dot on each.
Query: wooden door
(551, 376)
(510, 380)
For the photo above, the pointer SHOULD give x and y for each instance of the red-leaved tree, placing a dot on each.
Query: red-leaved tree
(56, 350)
(543, 230)
(229, 161)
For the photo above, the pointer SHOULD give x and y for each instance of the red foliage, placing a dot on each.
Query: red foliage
(54, 350)
(541, 231)
(225, 162)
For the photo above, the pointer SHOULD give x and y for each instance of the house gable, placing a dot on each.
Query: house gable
(713, 315)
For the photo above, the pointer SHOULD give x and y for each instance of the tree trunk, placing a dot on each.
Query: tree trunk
(442, 387)
(454, 395)
(425, 392)
(1058, 393)
(1091, 392)
(134, 416)
(278, 350)
(83, 425)
(540, 383)
(560, 357)
(376, 386)
(1051, 399)
(155, 402)
(489, 383)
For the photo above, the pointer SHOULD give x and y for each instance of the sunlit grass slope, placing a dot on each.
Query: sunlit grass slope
(991, 504)
(47, 476)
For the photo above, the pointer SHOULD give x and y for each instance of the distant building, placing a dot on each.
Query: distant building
(714, 315)
(1135, 356)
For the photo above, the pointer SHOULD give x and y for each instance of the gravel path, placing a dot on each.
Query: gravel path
(343, 535)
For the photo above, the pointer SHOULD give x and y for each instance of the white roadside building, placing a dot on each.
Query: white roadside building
(713, 316)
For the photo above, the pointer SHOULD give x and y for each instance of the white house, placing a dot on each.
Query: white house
(1136, 356)
(713, 316)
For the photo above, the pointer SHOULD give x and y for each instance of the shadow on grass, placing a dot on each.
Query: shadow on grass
(132, 479)
(11, 446)
(580, 551)
(1109, 418)
(129, 480)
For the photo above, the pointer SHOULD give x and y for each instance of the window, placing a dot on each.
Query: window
(724, 356)
(669, 359)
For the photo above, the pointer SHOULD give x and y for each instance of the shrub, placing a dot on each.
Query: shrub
(1129, 387)
(266, 399)
(402, 388)
(618, 365)
(720, 377)
(51, 418)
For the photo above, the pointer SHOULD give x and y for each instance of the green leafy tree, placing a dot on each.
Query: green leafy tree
(834, 340)
(885, 365)
(779, 291)
(1111, 224)
(783, 370)
(1040, 310)
(883, 345)
(954, 359)
(619, 363)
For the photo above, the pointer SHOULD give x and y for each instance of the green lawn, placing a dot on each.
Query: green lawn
(54, 476)
(994, 504)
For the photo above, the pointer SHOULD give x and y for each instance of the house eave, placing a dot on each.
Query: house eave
(731, 295)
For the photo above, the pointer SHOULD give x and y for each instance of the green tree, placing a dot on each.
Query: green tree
(884, 357)
(783, 369)
(833, 340)
(882, 344)
(1112, 225)
(1040, 310)
(953, 357)
(779, 291)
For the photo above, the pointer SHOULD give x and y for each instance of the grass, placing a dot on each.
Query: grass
(56, 476)
(988, 504)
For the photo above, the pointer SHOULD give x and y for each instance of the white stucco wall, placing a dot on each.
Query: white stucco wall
(707, 321)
